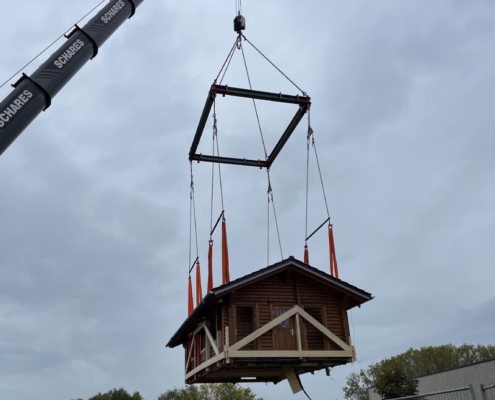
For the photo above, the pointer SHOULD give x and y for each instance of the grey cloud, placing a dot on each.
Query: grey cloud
(95, 194)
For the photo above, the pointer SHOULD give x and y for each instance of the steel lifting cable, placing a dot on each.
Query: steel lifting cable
(277, 68)
(192, 217)
(227, 61)
(270, 188)
(215, 147)
(218, 155)
(268, 225)
(52, 43)
(310, 132)
(254, 102)
(216, 150)
(270, 194)
(212, 173)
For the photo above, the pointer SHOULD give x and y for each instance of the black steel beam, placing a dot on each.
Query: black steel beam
(304, 103)
(317, 229)
(202, 123)
(258, 95)
(286, 135)
(229, 160)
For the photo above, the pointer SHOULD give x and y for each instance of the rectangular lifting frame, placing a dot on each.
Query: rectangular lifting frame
(304, 103)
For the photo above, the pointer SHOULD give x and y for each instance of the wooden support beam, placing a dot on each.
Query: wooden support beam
(201, 367)
(226, 346)
(323, 329)
(211, 341)
(265, 328)
(298, 333)
(190, 352)
(290, 354)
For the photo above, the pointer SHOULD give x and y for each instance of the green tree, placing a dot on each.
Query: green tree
(358, 383)
(415, 363)
(210, 391)
(392, 381)
(117, 394)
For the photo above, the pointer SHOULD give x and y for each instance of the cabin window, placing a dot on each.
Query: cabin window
(281, 311)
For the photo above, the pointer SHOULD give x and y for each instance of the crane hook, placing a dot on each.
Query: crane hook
(239, 23)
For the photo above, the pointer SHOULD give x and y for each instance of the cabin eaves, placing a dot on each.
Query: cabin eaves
(211, 298)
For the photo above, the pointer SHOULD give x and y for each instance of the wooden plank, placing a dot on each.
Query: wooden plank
(324, 330)
(290, 354)
(292, 378)
(201, 326)
(201, 367)
(190, 352)
(211, 341)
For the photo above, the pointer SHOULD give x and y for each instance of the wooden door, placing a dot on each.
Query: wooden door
(284, 334)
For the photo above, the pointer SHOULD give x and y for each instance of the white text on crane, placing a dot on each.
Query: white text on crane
(107, 17)
(69, 53)
(14, 107)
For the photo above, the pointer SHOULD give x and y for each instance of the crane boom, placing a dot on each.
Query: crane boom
(33, 94)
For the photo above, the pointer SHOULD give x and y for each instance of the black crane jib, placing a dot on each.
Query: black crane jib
(33, 94)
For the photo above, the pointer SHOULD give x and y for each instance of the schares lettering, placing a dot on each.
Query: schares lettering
(108, 16)
(69, 53)
(14, 107)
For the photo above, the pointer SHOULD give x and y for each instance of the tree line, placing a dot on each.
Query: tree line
(390, 378)
(398, 376)
(211, 391)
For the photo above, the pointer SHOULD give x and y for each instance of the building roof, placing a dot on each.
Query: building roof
(359, 296)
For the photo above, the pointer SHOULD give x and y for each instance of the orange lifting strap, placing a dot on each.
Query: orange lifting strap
(190, 301)
(306, 255)
(334, 269)
(199, 289)
(225, 255)
(210, 266)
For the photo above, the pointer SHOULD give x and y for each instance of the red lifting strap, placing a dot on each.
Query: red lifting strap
(199, 289)
(306, 255)
(334, 269)
(190, 301)
(210, 266)
(225, 255)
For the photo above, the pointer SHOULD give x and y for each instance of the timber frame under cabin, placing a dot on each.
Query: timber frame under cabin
(277, 323)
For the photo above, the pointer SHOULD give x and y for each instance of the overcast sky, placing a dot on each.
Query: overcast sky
(94, 194)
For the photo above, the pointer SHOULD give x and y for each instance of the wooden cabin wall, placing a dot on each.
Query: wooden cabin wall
(332, 316)
(286, 290)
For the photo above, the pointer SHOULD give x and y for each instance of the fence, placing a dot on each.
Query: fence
(488, 392)
(464, 393)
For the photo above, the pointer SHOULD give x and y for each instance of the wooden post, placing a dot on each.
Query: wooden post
(226, 346)
(298, 333)
(208, 347)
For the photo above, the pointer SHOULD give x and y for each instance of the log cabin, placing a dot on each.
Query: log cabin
(276, 323)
